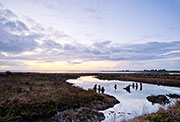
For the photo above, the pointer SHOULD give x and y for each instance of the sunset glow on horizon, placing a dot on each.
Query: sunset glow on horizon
(89, 35)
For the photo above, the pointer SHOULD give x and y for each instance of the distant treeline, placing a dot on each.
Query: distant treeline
(145, 70)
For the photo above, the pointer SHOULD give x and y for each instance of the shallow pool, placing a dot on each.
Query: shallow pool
(133, 100)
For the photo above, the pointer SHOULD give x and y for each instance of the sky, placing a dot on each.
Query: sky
(62, 35)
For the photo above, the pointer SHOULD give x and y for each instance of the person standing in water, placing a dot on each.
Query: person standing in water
(133, 85)
(102, 90)
(136, 86)
(99, 88)
(115, 86)
(95, 88)
(140, 86)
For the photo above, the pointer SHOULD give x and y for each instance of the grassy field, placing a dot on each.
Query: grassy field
(34, 96)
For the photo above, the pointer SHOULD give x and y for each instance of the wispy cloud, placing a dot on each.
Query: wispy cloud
(21, 42)
(14, 36)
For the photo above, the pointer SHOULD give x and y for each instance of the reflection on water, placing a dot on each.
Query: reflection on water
(132, 96)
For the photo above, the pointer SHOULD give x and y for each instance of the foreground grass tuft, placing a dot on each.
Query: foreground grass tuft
(172, 114)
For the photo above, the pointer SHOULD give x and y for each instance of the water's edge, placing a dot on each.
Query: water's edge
(119, 110)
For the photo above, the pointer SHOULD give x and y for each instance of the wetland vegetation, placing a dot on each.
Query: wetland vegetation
(34, 96)
(48, 97)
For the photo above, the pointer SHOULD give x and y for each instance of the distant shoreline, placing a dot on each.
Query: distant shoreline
(92, 71)
(143, 71)
(159, 78)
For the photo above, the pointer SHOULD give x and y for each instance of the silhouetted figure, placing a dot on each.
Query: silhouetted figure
(136, 86)
(133, 85)
(140, 86)
(127, 88)
(99, 88)
(115, 86)
(102, 90)
(95, 88)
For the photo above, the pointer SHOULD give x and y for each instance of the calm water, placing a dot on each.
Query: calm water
(133, 101)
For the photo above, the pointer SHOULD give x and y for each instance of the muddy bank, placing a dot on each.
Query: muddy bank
(34, 96)
(160, 99)
(152, 78)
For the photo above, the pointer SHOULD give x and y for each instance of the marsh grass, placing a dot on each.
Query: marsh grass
(172, 114)
(33, 96)
(152, 78)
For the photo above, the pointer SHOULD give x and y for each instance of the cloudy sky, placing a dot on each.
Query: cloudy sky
(60, 35)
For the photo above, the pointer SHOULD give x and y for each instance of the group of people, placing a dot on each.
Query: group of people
(134, 86)
(99, 88)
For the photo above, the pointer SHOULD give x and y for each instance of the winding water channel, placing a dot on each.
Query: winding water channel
(132, 96)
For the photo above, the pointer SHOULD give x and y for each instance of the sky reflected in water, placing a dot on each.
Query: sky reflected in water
(133, 101)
